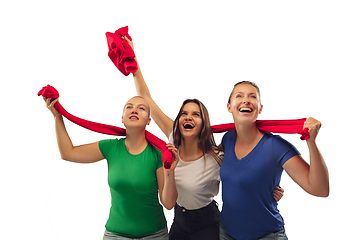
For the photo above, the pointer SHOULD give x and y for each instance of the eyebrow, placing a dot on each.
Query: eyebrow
(185, 111)
(249, 93)
(131, 104)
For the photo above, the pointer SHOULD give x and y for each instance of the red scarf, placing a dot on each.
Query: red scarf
(276, 126)
(120, 52)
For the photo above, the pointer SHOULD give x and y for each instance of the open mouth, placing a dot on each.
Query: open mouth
(245, 110)
(134, 117)
(188, 125)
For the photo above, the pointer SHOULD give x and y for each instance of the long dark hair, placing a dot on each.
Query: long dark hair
(206, 138)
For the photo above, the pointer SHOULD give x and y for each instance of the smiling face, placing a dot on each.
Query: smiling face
(136, 113)
(190, 121)
(244, 103)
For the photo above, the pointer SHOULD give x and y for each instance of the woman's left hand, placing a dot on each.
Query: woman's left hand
(278, 193)
(314, 126)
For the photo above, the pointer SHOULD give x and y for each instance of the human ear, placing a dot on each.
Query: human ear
(148, 123)
(228, 107)
(261, 108)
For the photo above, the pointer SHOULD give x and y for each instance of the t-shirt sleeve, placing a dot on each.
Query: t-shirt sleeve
(226, 138)
(159, 161)
(105, 146)
(223, 140)
(284, 150)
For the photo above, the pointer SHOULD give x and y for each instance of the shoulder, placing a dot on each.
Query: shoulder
(211, 162)
(150, 149)
(114, 141)
(108, 144)
(278, 142)
(228, 137)
(281, 148)
(154, 153)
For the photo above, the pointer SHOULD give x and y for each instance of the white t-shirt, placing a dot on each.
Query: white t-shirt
(197, 182)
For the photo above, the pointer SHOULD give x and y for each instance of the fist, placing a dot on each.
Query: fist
(314, 126)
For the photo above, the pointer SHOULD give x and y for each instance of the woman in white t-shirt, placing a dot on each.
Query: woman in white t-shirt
(197, 172)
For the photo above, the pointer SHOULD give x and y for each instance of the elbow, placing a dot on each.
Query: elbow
(63, 156)
(169, 206)
(169, 203)
(324, 192)
(324, 195)
(66, 157)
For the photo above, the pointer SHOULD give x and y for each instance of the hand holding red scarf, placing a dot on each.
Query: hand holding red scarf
(120, 52)
(50, 92)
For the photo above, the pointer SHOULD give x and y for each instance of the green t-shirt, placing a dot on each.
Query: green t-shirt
(135, 208)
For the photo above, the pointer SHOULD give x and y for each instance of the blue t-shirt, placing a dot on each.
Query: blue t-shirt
(249, 208)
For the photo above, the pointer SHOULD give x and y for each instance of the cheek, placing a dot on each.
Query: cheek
(124, 113)
(232, 106)
(199, 123)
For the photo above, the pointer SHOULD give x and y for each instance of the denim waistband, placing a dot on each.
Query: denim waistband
(211, 207)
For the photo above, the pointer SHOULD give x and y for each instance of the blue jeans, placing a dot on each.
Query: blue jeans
(280, 235)
(160, 235)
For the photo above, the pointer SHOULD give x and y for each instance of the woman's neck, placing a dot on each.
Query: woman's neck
(248, 134)
(190, 150)
(135, 141)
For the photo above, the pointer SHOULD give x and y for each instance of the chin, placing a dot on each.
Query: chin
(245, 119)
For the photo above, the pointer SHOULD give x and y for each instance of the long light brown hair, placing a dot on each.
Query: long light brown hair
(206, 138)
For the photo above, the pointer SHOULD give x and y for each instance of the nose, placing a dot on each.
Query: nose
(246, 100)
(188, 117)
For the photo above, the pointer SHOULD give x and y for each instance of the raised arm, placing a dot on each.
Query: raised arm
(313, 178)
(161, 119)
(87, 153)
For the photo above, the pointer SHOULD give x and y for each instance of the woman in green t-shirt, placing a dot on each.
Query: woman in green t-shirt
(136, 176)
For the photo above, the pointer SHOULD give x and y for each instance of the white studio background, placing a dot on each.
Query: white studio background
(304, 55)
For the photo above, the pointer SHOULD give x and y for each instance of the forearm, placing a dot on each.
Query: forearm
(140, 84)
(160, 118)
(318, 174)
(169, 193)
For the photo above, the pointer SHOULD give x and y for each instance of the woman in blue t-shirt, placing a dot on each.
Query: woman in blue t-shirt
(252, 167)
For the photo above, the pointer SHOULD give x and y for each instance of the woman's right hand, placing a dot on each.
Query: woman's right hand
(129, 42)
(50, 105)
